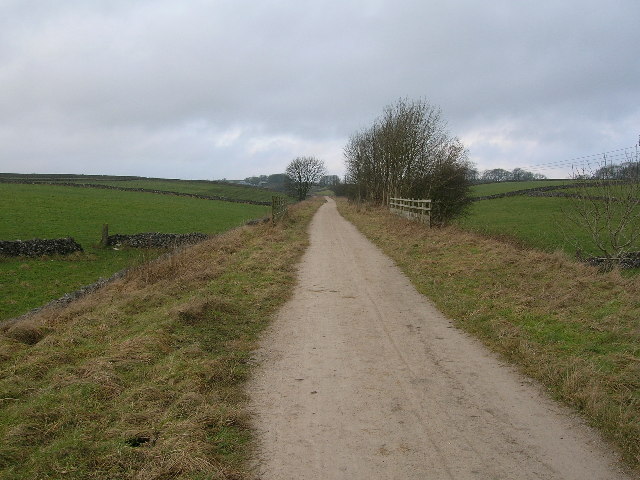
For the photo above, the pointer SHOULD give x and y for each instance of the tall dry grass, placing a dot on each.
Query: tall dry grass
(144, 379)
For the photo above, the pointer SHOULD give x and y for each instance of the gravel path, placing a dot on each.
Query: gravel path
(362, 378)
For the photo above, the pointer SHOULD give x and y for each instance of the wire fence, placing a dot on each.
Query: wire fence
(588, 163)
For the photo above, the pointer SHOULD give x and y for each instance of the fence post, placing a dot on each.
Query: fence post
(278, 207)
(105, 235)
(274, 206)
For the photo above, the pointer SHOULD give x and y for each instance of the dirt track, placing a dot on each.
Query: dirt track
(361, 378)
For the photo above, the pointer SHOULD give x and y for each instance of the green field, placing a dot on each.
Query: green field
(539, 222)
(200, 187)
(504, 187)
(534, 221)
(47, 211)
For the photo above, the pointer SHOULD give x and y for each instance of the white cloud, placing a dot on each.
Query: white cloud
(227, 138)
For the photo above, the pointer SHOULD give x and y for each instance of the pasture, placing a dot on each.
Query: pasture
(532, 221)
(200, 187)
(540, 222)
(51, 211)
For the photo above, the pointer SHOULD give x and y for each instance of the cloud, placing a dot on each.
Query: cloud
(205, 89)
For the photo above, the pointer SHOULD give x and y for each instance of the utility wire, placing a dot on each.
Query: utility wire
(617, 156)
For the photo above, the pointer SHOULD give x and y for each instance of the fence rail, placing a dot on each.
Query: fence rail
(279, 207)
(412, 208)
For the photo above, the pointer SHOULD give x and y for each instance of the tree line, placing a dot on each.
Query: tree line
(502, 175)
(628, 170)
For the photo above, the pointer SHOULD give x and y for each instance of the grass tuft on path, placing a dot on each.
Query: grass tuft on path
(145, 378)
(561, 322)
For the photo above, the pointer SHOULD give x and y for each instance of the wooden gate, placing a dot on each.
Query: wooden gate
(413, 209)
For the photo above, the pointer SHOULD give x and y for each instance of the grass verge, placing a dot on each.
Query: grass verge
(145, 378)
(561, 322)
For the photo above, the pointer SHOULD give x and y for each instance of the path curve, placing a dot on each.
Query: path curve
(362, 378)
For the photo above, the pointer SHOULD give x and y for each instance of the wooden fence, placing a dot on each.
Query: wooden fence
(413, 209)
(279, 207)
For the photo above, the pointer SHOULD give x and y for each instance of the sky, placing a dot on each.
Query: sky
(215, 89)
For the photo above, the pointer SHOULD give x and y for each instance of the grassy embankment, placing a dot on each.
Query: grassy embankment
(145, 378)
(575, 330)
(45, 211)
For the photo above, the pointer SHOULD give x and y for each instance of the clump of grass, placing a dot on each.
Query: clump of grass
(562, 322)
(145, 377)
(27, 331)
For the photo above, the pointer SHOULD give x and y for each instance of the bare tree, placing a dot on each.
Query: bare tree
(607, 208)
(302, 173)
(408, 152)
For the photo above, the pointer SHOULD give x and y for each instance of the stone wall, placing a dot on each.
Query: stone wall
(525, 191)
(548, 191)
(38, 247)
(155, 240)
(628, 260)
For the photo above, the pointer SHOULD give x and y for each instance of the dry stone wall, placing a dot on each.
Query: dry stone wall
(628, 260)
(66, 299)
(155, 240)
(38, 247)
(548, 191)
(525, 191)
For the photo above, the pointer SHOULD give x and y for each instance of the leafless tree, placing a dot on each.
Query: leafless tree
(302, 173)
(606, 208)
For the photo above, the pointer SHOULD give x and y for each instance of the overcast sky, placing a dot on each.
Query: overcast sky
(214, 89)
